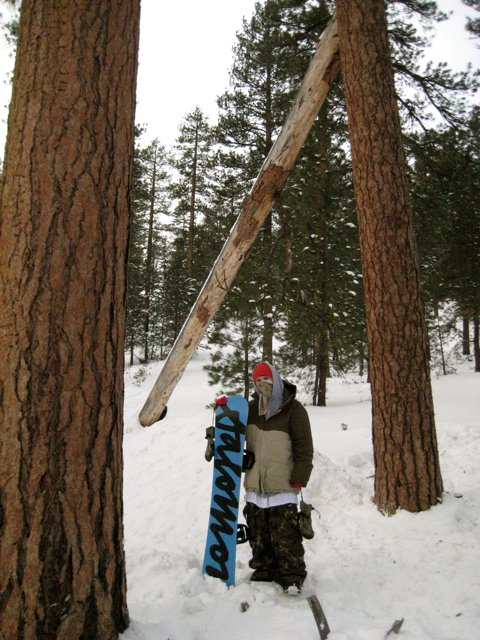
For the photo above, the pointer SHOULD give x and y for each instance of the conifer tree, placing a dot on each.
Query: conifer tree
(272, 53)
(193, 161)
(149, 210)
(236, 334)
(447, 207)
(64, 229)
(303, 202)
(189, 258)
(407, 470)
(251, 114)
(236, 327)
(156, 179)
(325, 315)
(136, 255)
(473, 23)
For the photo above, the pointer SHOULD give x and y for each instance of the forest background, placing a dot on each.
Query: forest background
(298, 300)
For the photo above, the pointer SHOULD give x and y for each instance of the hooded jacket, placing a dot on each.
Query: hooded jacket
(281, 440)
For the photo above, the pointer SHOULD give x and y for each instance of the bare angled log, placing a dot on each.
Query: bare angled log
(321, 73)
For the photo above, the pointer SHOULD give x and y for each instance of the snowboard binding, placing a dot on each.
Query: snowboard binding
(242, 533)
(210, 437)
(248, 456)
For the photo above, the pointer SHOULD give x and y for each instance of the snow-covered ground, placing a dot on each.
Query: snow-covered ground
(367, 570)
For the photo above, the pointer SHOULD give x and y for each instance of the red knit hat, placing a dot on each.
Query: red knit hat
(262, 369)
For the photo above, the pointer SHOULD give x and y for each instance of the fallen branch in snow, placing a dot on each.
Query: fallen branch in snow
(395, 628)
(319, 616)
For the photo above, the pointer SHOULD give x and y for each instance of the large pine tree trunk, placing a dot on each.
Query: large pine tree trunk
(63, 241)
(407, 471)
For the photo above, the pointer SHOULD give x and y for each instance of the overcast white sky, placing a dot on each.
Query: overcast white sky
(184, 60)
(186, 53)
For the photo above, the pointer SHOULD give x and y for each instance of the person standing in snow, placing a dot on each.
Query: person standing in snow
(279, 435)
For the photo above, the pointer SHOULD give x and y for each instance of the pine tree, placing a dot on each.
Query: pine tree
(236, 334)
(179, 289)
(272, 53)
(136, 255)
(420, 89)
(64, 229)
(189, 257)
(325, 314)
(251, 114)
(193, 161)
(447, 208)
(473, 24)
(236, 327)
(149, 211)
(407, 471)
(156, 184)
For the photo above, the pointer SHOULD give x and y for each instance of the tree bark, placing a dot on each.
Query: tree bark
(63, 242)
(407, 470)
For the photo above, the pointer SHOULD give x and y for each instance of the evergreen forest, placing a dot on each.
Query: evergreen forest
(298, 300)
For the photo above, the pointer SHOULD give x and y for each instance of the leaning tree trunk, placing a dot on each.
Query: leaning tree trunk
(321, 73)
(63, 241)
(407, 470)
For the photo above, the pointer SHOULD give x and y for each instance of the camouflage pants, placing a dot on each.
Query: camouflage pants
(276, 542)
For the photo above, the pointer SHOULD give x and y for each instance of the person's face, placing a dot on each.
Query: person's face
(264, 385)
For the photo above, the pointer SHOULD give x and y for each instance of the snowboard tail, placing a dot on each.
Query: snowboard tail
(220, 550)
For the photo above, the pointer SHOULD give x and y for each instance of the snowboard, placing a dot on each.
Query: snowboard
(231, 414)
